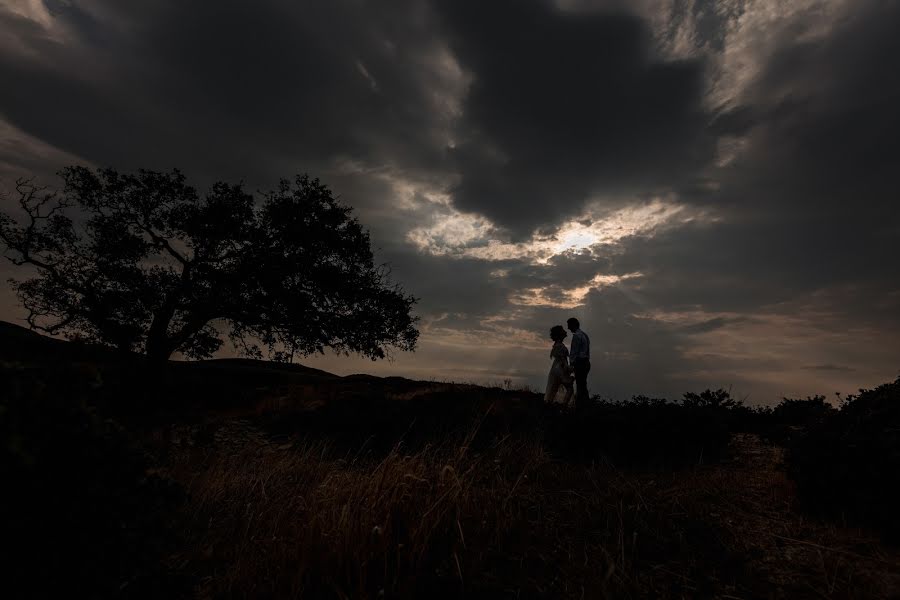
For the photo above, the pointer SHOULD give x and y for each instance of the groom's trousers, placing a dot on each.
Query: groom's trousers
(582, 367)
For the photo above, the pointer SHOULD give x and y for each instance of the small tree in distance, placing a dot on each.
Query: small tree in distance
(141, 262)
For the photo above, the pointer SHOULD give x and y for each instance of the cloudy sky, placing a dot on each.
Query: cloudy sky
(710, 186)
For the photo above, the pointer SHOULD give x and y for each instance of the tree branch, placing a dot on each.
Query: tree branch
(160, 241)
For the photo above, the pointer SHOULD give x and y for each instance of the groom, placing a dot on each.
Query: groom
(580, 357)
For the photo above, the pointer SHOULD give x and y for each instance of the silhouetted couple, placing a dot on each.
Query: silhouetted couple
(569, 366)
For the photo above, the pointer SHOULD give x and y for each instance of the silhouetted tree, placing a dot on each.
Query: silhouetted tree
(710, 399)
(143, 263)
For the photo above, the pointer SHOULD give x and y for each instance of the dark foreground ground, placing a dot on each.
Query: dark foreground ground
(244, 479)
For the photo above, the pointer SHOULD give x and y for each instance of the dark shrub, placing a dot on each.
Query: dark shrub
(801, 413)
(733, 413)
(641, 432)
(792, 418)
(369, 419)
(80, 513)
(847, 465)
(709, 399)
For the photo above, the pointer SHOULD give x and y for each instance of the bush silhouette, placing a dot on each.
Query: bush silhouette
(80, 509)
(645, 431)
(142, 262)
(792, 418)
(798, 413)
(846, 465)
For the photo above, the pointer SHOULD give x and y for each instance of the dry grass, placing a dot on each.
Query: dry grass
(298, 523)
(753, 503)
(295, 521)
(311, 502)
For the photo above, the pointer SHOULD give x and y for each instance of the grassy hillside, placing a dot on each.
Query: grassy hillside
(252, 479)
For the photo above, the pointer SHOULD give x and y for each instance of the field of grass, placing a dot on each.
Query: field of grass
(290, 520)
(245, 480)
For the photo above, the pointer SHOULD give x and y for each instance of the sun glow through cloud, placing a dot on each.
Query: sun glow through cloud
(569, 298)
(34, 10)
(463, 235)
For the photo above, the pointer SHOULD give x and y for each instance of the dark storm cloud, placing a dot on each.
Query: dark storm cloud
(631, 353)
(712, 325)
(809, 205)
(563, 105)
(252, 91)
(824, 128)
(829, 368)
(231, 88)
(529, 109)
(463, 286)
(743, 265)
(565, 270)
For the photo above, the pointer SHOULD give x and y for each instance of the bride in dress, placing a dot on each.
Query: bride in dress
(560, 372)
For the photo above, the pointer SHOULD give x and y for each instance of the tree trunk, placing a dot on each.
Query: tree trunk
(159, 349)
(159, 346)
(155, 376)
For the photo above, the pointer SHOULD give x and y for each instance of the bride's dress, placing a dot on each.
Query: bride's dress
(559, 374)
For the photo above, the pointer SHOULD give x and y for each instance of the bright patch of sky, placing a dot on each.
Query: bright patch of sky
(453, 233)
(755, 30)
(568, 298)
(31, 9)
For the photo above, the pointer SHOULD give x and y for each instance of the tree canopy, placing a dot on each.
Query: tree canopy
(144, 263)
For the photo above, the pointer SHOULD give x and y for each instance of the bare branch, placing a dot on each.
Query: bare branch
(160, 242)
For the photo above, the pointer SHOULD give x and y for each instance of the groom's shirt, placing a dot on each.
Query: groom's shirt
(581, 346)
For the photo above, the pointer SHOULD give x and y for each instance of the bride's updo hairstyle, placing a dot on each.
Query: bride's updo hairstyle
(557, 333)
